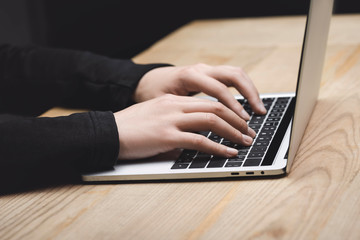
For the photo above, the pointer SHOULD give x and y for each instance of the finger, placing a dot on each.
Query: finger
(222, 112)
(211, 122)
(236, 77)
(214, 88)
(198, 142)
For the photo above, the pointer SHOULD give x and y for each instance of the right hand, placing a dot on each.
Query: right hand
(211, 80)
(169, 122)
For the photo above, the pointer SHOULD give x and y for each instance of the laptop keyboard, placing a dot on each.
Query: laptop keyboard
(265, 127)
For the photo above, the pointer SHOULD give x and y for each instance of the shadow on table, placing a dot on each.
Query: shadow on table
(16, 180)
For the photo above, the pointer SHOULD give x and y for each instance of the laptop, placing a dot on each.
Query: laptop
(279, 132)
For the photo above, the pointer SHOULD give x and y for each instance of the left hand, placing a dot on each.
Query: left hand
(171, 122)
(212, 80)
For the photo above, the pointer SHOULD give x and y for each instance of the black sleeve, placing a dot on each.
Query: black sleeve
(43, 152)
(34, 79)
(83, 140)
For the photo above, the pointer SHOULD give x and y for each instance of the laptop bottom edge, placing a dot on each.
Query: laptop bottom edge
(232, 175)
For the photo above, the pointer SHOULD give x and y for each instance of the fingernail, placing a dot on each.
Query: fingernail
(245, 115)
(247, 139)
(232, 151)
(251, 132)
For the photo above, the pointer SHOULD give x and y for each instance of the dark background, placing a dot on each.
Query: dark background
(120, 29)
(124, 28)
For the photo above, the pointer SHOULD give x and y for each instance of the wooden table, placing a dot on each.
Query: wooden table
(319, 199)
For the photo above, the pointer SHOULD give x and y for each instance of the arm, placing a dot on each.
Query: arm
(41, 152)
(34, 79)
(84, 140)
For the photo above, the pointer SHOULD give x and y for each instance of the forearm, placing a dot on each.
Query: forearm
(34, 79)
(82, 141)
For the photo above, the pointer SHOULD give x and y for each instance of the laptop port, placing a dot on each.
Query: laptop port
(234, 173)
(249, 173)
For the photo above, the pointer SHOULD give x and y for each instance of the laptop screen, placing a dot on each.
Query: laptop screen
(311, 67)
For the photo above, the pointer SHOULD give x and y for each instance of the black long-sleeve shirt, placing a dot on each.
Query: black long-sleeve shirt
(34, 79)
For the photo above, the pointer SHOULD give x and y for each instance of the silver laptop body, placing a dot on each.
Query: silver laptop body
(279, 154)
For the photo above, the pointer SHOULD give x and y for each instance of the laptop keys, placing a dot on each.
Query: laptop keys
(252, 162)
(264, 126)
(180, 166)
(233, 164)
(200, 161)
(217, 162)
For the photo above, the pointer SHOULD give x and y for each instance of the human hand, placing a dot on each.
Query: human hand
(212, 80)
(168, 122)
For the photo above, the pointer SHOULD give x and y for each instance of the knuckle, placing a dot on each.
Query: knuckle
(216, 148)
(211, 119)
(185, 72)
(167, 100)
(198, 140)
(219, 148)
(171, 140)
(217, 107)
(239, 70)
(168, 96)
(238, 75)
(223, 91)
(236, 134)
(201, 65)
(243, 126)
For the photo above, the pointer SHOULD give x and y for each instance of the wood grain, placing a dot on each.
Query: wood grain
(319, 199)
